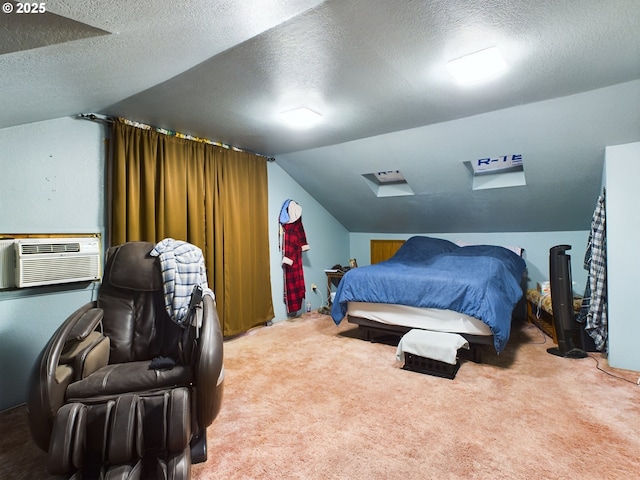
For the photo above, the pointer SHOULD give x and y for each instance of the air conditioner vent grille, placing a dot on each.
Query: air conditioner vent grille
(35, 248)
(57, 270)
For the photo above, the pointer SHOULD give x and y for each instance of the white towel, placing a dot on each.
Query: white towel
(439, 346)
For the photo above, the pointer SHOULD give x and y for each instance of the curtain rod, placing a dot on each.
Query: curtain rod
(97, 117)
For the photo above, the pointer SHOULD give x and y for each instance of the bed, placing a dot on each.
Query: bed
(434, 284)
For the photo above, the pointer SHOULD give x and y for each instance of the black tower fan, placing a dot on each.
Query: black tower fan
(562, 302)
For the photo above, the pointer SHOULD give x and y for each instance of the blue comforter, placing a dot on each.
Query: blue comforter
(481, 280)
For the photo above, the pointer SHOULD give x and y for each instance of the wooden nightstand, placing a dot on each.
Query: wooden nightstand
(333, 279)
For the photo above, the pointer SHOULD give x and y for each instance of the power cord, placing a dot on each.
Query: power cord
(544, 336)
(314, 289)
(611, 374)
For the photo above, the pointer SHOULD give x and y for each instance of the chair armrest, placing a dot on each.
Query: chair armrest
(86, 324)
(85, 347)
(90, 355)
(47, 386)
(209, 366)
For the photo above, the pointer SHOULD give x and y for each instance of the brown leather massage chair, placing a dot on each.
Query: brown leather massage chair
(121, 391)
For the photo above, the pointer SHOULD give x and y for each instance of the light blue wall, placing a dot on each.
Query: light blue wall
(536, 245)
(52, 181)
(622, 165)
(52, 177)
(327, 238)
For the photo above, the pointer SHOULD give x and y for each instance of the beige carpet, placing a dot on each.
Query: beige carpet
(305, 399)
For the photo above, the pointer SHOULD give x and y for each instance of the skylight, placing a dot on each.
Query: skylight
(498, 172)
(477, 66)
(388, 183)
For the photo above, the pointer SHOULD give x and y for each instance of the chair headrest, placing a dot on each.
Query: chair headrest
(130, 266)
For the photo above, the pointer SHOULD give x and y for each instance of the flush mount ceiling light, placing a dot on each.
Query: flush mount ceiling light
(301, 118)
(477, 66)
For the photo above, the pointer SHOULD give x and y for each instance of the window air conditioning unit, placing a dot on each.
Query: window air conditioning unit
(48, 261)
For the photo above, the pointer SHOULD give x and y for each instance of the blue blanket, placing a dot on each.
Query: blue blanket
(481, 280)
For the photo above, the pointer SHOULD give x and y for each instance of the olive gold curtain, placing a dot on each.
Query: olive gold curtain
(215, 198)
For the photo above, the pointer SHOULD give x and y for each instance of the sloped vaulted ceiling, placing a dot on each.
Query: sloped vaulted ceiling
(375, 70)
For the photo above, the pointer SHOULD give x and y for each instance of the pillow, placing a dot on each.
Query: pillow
(515, 264)
(421, 248)
(517, 250)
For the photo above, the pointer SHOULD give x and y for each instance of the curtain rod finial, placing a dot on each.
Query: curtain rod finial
(96, 117)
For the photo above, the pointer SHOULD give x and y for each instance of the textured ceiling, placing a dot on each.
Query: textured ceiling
(225, 70)
(27, 31)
